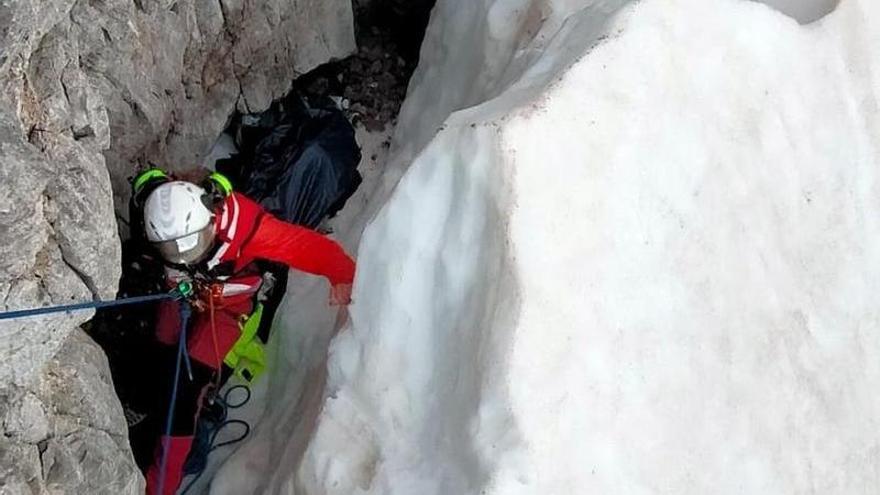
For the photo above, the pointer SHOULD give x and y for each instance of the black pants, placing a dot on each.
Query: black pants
(145, 436)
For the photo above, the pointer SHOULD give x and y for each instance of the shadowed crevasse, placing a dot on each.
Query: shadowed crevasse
(803, 11)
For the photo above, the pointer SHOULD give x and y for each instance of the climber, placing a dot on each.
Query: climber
(211, 236)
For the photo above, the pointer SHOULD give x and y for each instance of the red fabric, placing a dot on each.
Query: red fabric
(178, 450)
(168, 322)
(200, 342)
(249, 233)
(300, 248)
(236, 223)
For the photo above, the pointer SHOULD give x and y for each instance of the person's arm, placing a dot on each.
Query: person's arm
(301, 248)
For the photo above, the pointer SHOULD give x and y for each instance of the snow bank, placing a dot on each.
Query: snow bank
(635, 252)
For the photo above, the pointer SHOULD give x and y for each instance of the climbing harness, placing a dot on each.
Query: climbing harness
(210, 425)
(209, 429)
(183, 290)
(247, 357)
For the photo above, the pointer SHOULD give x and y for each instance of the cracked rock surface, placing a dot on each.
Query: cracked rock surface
(92, 89)
(67, 434)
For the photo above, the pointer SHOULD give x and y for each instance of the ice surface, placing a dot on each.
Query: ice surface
(618, 248)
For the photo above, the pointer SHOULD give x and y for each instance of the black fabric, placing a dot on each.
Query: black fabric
(280, 273)
(299, 163)
(161, 372)
(136, 203)
(127, 335)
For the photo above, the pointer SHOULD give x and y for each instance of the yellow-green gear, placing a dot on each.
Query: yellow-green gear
(223, 183)
(248, 357)
(146, 176)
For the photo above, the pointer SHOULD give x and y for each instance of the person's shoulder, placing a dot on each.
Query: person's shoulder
(242, 206)
(242, 200)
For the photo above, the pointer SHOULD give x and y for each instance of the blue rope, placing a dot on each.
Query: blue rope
(182, 356)
(24, 313)
(180, 292)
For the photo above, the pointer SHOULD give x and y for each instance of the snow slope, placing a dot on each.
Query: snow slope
(635, 250)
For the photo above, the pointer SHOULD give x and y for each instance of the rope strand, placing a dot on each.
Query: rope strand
(218, 371)
(66, 308)
(182, 357)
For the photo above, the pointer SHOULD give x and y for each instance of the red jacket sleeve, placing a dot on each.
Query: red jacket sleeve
(300, 248)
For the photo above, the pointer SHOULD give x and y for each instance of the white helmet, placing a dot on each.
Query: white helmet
(178, 223)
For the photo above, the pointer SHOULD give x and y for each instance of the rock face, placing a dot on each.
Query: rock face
(91, 89)
(67, 433)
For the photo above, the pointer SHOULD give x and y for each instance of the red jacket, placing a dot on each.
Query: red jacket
(248, 233)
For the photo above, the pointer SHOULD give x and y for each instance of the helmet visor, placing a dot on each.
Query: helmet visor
(189, 249)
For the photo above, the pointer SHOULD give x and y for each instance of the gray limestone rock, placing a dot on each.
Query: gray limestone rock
(87, 448)
(20, 470)
(172, 72)
(68, 434)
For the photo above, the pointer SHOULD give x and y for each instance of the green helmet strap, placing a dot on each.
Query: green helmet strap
(223, 184)
(146, 176)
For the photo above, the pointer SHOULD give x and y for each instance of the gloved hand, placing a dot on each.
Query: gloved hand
(340, 295)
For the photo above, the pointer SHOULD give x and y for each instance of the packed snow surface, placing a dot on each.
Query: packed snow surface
(618, 248)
